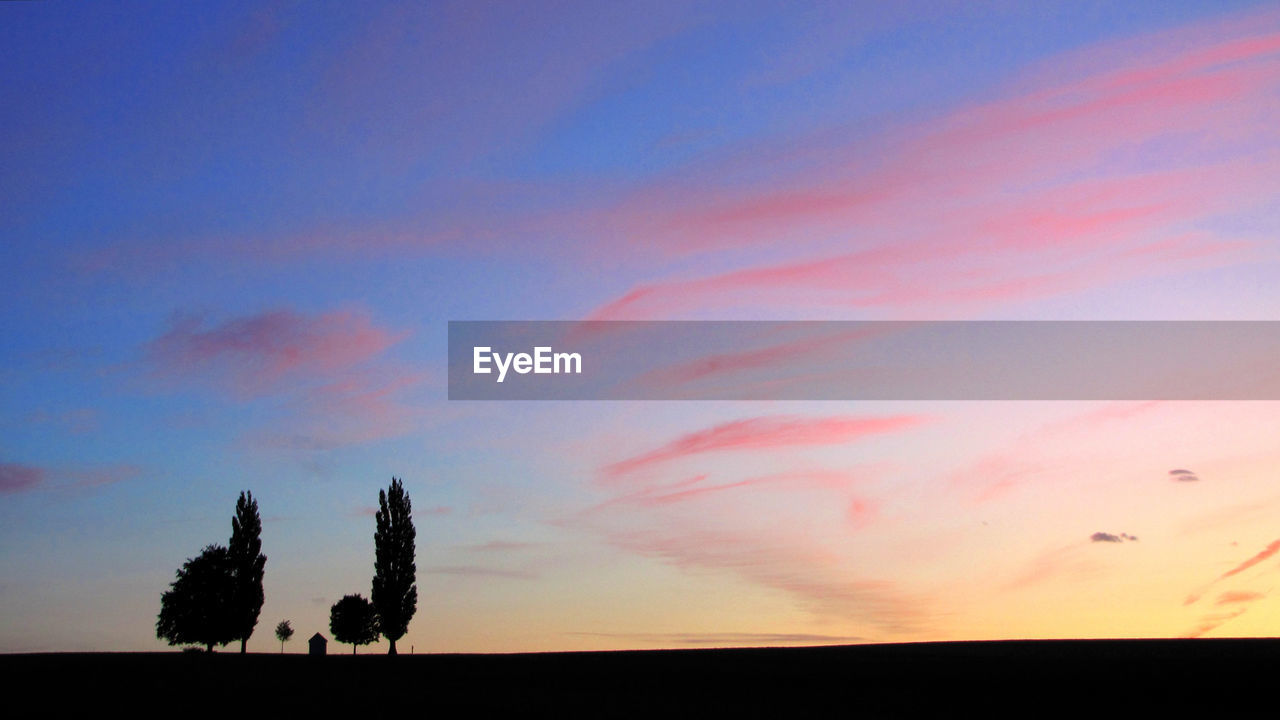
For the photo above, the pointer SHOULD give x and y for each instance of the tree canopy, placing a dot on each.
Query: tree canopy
(284, 631)
(198, 608)
(248, 564)
(353, 620)
(395, 594)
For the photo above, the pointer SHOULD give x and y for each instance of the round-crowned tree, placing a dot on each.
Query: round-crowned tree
(198, 608)
(353, 620)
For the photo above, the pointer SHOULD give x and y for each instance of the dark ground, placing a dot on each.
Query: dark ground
(1098, 677)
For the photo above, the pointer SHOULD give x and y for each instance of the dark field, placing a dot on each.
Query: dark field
(1134, 677)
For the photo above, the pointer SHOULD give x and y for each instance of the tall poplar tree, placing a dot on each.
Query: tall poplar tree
(249, 566)
(395, 594)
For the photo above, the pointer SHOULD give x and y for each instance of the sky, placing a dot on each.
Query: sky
(232, 236)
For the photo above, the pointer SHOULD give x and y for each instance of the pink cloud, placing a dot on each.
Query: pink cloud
(1212, 622)
(360, 407)
(696, 487)
(994, 474)
(1233, 597)
(860, 512)
(1060, 187)
(814, 577)
(15, 478)
(699, 524)
(329, 367)
(763, 433)
(718, 365)
(1263, 554)
(258, 354)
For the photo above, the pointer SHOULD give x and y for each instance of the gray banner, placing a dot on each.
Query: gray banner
(864, 360)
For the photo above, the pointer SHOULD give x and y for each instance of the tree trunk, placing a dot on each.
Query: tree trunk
(392, 651)
(209, 647)
(242, 642)
(353, 648)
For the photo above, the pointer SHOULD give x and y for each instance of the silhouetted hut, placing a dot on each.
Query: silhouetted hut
(318, 644)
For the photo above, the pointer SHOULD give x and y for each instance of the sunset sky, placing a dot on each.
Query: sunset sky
(232, 236)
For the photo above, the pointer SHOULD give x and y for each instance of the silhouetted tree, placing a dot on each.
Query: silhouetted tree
(198, 608)
(395, 596)
(249, 565)
(352, 620)
(284, 631)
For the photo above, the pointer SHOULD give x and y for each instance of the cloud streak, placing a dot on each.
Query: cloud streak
(16, 478)
(481, 572)
(696, 487)
(1212, 622)
(764, 433)
(1048, 190)
(812, 577)
(1236, 597)
(259, 354)
(1263, 554)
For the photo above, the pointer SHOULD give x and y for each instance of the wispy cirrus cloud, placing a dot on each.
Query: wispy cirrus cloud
(709, 521)
(693, 488)
(265, 352)
(1234, 597)
(1025, 460)
(814, 577)
(764, 433)
(1263, 554)
(1082, 175)
(330, 369)
(1212, 622)
(359, 407)
(16, 478)
(776, 353)
(1240, 600)
(481, 572)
